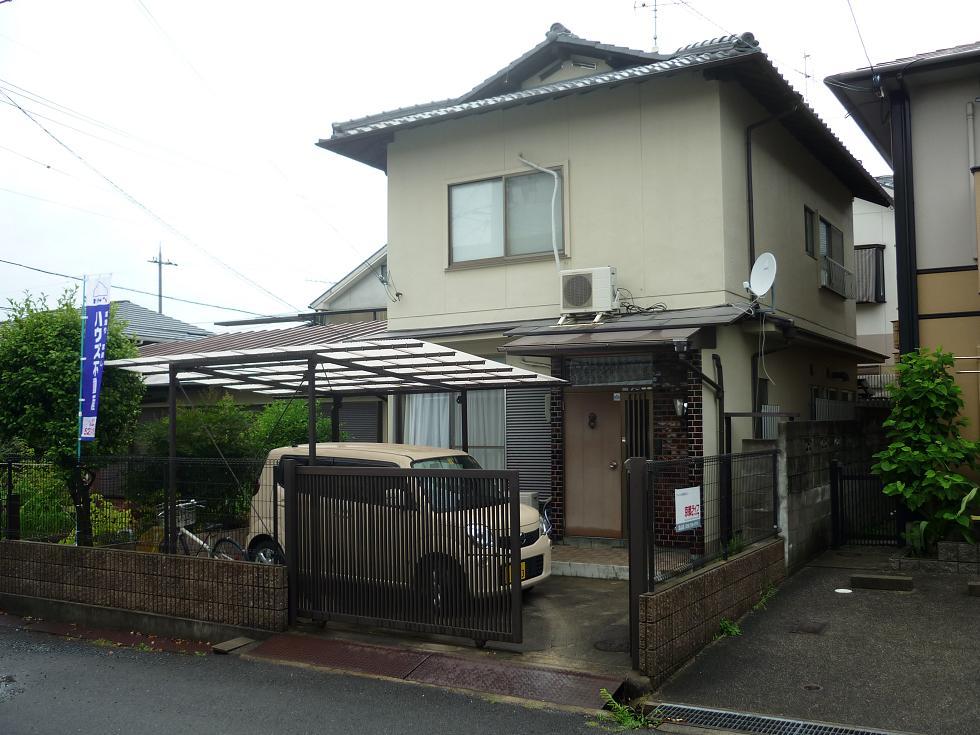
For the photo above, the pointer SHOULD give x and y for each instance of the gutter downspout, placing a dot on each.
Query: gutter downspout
(905, 245)
(718, 386)
(750, 196)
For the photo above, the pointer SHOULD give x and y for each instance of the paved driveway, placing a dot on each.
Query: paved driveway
(892, 660)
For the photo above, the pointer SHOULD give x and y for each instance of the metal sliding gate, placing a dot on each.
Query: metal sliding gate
(860, 512)
(436, 551)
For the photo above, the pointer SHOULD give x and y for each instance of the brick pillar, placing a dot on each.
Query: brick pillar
(557, 508)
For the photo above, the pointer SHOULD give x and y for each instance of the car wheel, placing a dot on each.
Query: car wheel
(267, 552)
(441, 587)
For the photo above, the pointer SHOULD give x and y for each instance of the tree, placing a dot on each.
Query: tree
(922, 462)
(282, 424)
(219, 426)
(40, 366)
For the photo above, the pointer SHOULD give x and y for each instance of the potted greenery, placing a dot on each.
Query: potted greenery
(923, 462)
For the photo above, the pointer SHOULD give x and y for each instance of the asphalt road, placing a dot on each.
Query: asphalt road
(57, 686)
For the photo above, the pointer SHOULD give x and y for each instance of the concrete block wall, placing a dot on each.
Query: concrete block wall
(194, 588)
(806, 449)
(683, 616)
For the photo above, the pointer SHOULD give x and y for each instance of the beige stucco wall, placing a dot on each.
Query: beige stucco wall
(791, 372)
(785, 178)
(944, 220)
(875, 225)
(642, 193)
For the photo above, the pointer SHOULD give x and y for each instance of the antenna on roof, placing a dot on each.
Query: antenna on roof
(652, 5)
(807, 76)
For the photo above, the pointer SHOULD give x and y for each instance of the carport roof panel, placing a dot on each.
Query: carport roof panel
(364, 366)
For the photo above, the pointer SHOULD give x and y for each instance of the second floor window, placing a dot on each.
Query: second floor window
(810, 231)
(831, 242)
(503, 217)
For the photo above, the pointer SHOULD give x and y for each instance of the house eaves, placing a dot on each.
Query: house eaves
(864, 92)
(735, 58)
(322, 302)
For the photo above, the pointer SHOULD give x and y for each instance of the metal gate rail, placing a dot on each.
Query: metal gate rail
(861, 513)
(436, 551)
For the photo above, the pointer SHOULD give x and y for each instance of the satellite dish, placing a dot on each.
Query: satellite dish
(763, 275)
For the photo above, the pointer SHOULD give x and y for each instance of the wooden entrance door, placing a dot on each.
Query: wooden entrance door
(593, 461)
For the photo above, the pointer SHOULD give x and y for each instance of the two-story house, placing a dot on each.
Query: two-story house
(920, 113)
(676, 170)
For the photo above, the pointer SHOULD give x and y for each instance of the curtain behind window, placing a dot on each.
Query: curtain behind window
(486, 414)
(427, 419)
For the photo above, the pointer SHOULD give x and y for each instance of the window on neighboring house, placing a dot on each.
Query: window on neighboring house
(869, 274)
(833, 275)
(434, 420)
(809, 231)
(504, 217)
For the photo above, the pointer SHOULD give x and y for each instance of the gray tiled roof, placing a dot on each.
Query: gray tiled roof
(927, 57)
(366, 139)
(148, 326)
(718, 49)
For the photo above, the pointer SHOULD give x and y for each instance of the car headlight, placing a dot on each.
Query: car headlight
(545, 525)
(480, 535)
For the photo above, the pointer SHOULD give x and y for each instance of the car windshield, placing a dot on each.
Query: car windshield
(452, 462)
(446, 496)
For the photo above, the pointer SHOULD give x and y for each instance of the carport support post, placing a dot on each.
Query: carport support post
(636, 483)
(311, 409)
(170, 509)
(292, 559)
(335, 404)
(464, 421)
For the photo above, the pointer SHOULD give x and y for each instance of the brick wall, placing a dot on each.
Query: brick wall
(683, 616)
(196, 588)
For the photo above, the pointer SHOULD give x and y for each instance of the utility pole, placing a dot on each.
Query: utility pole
(160, 262)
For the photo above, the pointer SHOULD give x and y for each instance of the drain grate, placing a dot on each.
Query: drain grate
(756, 724)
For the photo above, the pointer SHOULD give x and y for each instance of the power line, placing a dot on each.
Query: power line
(860, 37)
(133, 290)
(68, 206)
(289, 188)
(694, 10)
(115, 131)
(146, 209)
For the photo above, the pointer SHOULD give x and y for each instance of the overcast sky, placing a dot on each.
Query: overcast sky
(206, 113)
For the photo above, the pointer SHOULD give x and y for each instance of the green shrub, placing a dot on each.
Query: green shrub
(923, 461)
(110, 525)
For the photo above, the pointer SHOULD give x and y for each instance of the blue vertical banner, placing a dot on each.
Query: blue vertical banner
(95, 335)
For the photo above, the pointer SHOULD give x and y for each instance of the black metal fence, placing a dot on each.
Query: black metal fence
(437, 551)
(699, 509)
(860, 511)
(127, 502)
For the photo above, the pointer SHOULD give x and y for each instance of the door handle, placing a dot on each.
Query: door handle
(613, 465)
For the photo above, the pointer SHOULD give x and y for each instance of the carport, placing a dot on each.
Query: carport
(320, 362)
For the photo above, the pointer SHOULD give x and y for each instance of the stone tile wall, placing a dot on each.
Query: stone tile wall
(955, 557)
(196, 588)
(680, 618)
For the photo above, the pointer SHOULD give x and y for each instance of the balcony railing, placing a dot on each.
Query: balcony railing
(873, 382)
(835, 277)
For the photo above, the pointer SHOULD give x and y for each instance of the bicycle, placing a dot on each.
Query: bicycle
(224, 548)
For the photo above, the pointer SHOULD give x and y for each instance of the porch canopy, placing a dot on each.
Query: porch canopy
(286, 365)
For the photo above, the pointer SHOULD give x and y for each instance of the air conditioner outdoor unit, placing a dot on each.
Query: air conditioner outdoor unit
(589, 291)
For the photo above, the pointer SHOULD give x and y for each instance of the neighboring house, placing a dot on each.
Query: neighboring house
(920, 113)
(361, 295)
(149, 327)
(677, 170)
(875, 282)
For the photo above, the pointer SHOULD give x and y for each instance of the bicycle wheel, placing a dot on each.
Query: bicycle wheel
(229, 550)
